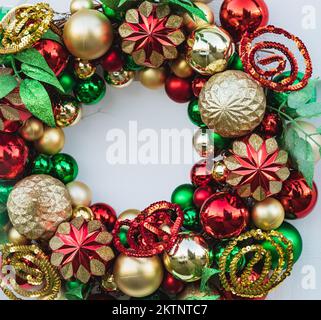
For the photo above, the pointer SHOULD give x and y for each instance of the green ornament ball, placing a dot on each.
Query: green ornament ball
(123, 236)
(235, 63)
(183, 196)
(90, 91)
(76, 290)
(5, 189)
(68, 82)
(219, 141)
(194, 114)
(293, 235)
(111, 13)
(191, 219)
(42, 165)
(131, 65)
(64, 167)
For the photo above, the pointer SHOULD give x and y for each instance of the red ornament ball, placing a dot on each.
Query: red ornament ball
(224, 215)
(201, 174)
(201, 194)
(197, 85)
(171, 285)
(240, 16)
(297, 198)
(105, 214)
(13, 156)
(271, 126)
(54, 53)
(113, 61)
(179, 89)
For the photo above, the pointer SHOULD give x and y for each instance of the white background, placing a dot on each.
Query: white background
(136, 186)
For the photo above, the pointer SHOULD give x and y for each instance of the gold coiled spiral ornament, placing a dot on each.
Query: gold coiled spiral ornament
(30, 266)
(23, 26)
(240, 283)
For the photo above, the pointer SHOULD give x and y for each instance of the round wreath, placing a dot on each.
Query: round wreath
(221, 237)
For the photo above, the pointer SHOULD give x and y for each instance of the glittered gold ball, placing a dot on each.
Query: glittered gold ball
(209, 50)
(88, 34)
(232, 104)
(129, 214)
(152, 78)
(192, 23)
(37, 205)
(181, 68)
(138, 277)
(220, 172)
(51, 142)
(16, 238)
(189, 256)
(83, 212)
(202, 143)
(268, 214)
(32, 129)
(80, 193)
(120, 79)
(66, 112)
(77, 5)
(84, 69)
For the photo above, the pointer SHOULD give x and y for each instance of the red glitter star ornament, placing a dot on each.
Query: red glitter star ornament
(257, 167)
(81, 249)
(151, 35)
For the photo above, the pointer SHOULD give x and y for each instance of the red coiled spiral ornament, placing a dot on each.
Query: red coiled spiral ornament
(249, 51)
(152, 232)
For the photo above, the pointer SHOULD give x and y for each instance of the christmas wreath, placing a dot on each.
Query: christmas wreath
(223, 236)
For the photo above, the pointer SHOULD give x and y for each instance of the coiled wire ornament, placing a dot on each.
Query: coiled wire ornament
(248, 52)
(31, 265)
(269, 278)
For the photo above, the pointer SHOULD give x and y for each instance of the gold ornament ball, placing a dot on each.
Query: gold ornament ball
(32, 129)
(203, 144)
(129, 214)
(268, 214)
(84, 69)
(314, 140)
(189, 256)
(108, 282)
(192, 291)
(88, 34)
(152, 78)
(79, 117)
(37, 205)
(120, 79)
(193, 23)
(16, 238)
(80, 193)
(181, 68)
(82, 212)
(138, 277)
(51, 142)
(209, 50)
(77, 5)
(220, 172)
(66, 113)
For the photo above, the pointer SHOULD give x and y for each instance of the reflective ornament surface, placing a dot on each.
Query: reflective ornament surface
(84, 69)
(120, 79)
(152, 78)
(80, 193)
(77, 5)
(66, 111)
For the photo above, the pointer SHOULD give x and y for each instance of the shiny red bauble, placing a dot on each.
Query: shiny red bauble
(13, 156)
(105, 214)
(239, 16)
(171, 285)
(113, 61)
(224, 215)
(54, 53)
(197, 85)
(201, 194)
(201, 175)
(271, 126)
(178, 89)
(296, 197)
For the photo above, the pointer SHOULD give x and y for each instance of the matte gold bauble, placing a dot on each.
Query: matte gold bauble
(16, 238)
(193, 23)
(77, 5)
(32, 129)
(189, 256)
(51, 142)
(181, 68)
(88, 34)
(83, 212)
(129, 214)
(80, 193)
(37, 205)
(152, 78)
(209, 50)
(84, 69)
(138, 277)
(268, 214)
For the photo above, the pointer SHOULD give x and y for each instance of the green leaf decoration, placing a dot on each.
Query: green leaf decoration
(50, 35)
(121, 2)
(37, 101)
(299, 98)
(310, 110)
(213, 297)
(207, 274)
(41, 75)
(189, 7)
(7, 84)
